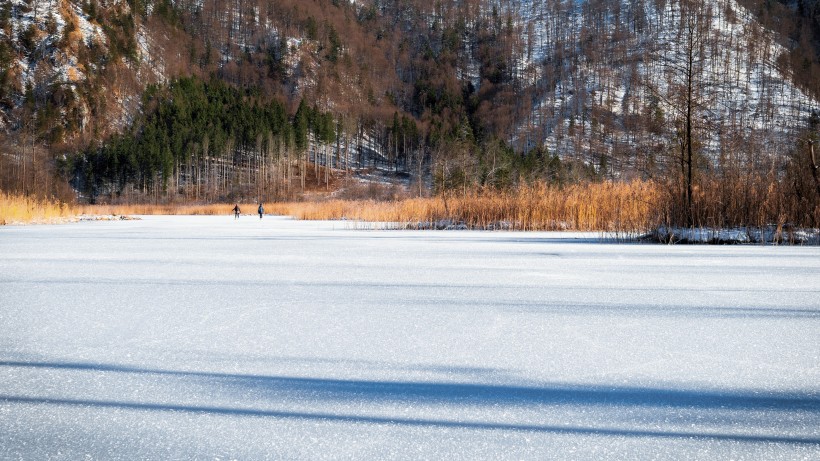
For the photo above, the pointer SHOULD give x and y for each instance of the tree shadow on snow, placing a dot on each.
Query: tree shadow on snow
(492, 396)
(380, 293)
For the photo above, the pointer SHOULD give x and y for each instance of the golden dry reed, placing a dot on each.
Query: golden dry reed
(167, 209)
(608, 206)
(19, 209)
(618, 207)
(744, 200)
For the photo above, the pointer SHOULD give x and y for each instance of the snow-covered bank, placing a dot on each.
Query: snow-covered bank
(765, 235)
(70, 219)
(205, 337)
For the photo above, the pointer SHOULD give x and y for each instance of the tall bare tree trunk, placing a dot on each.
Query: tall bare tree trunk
(814, 168)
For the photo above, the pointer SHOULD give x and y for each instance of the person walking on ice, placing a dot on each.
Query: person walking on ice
(236, 211)
(261, 210)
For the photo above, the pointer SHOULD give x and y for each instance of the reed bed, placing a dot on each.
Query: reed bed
(20, 209)
(620, 208)
(165, 209)
(744, 201)
(609, 207)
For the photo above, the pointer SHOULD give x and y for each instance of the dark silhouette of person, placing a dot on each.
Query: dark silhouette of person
(236, 211)
(261, 210)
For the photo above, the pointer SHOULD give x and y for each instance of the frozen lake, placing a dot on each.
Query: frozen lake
(209, 338)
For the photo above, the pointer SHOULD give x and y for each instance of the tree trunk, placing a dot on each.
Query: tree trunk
(814, 167)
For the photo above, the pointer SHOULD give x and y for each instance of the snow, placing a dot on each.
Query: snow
(61, 64)
(205, 337)
(745, 87)
(766, 235)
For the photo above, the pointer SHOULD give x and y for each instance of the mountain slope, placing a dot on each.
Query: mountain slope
(455, 92)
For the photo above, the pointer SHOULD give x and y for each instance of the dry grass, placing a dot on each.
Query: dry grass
(149, 209)
(18, 209)
(610, 207)
(748, 200)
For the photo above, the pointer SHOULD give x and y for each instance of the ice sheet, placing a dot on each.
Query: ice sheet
(205, 337)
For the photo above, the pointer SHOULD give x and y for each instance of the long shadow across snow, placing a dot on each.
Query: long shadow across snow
(417, 422)
(471, 393)
(458, 393)
(68, 280)
(543, 307)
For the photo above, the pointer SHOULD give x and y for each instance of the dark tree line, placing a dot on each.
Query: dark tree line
(206, 141)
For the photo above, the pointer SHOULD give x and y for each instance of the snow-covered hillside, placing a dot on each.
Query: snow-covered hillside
(60, 51)
(57, 29)
(100, 56)
(597, 66)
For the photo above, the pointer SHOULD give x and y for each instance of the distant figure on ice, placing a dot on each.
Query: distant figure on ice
(236, 211)
(261, 210)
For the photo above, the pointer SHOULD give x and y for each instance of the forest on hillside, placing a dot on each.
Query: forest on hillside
(220, 100)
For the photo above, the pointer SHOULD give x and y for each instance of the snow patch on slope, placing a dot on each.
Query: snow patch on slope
(743, 85)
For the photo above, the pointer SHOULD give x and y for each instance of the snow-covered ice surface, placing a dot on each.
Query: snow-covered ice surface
(202, 337)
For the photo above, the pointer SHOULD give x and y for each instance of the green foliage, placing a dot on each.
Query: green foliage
(180, 120)
(5, 63)
(5, 15)
(324, 126)
(166, 10)
(500, 167)
(301, 125)
(120, 30)
(405, 134)
(28, 38)
(311, 120)
(335, 44)
(139, 7)
(90, 8)
(368, 14)
(5, 54)
(451, 39)
(436, 96)
(5, 91)
(273, 58)
(311, 29)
